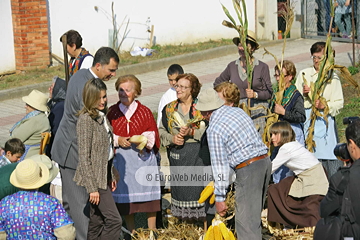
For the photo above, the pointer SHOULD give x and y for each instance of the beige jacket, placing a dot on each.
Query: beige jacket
(94, 170)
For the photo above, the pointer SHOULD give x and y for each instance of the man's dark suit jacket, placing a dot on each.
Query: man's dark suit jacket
(65, 147)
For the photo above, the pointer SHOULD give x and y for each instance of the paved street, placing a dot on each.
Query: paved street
(155, 83)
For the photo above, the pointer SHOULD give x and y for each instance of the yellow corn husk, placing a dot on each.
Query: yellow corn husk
(231, 235)
(217, 233)
(140, 140)
(224, 231)
(212, 199)
(209, 235)
(206, 193)
(137, 139)
(220, 229)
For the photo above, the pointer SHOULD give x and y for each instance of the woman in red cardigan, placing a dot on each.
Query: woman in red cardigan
(129, 117)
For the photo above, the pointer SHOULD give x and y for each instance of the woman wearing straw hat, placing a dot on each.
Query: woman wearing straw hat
(261, 90)
(35, 122)
(30, 214)
(6, 188)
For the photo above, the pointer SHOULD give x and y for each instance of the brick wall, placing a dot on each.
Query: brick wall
(31, 40)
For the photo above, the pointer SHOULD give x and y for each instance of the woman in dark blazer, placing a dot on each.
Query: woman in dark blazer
(95, 168)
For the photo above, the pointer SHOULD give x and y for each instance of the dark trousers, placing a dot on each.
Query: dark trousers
(105, 221)
(75, 201)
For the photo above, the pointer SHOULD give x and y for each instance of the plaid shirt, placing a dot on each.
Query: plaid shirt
(232, 139)
(4, 161)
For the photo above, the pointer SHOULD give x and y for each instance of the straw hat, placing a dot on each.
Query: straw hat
(251, 36)
(37, 100)
(53, 170)
(29, 174)
(208, 100)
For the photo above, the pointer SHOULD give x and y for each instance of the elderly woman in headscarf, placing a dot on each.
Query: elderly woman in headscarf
(35, 122)
(261, 90)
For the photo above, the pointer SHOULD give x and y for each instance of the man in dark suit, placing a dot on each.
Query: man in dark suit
(330, 205)
(65, 146)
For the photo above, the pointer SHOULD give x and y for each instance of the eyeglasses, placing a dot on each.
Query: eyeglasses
(277, 75)
(315, 57)
(181, 87)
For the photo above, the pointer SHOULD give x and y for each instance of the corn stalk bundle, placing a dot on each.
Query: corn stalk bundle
(346, 75)
(317, 90)
(242, 30)
(230, 202)
(288, 14)
(326, 70)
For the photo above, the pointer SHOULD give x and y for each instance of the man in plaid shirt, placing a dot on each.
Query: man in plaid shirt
(235, 144)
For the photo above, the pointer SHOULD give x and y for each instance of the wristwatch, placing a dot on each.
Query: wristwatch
(256, 95)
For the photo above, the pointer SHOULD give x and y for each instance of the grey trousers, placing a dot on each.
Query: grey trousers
(251, 185)
(76, 202)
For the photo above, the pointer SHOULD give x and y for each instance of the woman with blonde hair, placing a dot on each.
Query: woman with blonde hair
(129, 118)
(95, 168)
(229, 92)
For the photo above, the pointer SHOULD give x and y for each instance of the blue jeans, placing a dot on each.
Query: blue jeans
(347, 18)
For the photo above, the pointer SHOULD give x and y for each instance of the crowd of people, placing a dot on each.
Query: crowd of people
(87, 183)
(342, 24)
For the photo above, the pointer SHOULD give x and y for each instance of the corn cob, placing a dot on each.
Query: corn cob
(212, 199)
(178, 120)
(206, 193)
(209, 233)
(231, 235)
(202, 125)
(218, 230)
(224, 231)
(217, 233)
(140, 140)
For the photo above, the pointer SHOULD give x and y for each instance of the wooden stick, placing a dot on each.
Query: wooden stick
(66, 63)
(151, 35)
(57, 58)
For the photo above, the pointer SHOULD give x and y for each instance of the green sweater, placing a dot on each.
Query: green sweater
(6, 188)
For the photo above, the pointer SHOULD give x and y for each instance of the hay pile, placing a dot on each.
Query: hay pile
(178, 230)
(173, 232)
